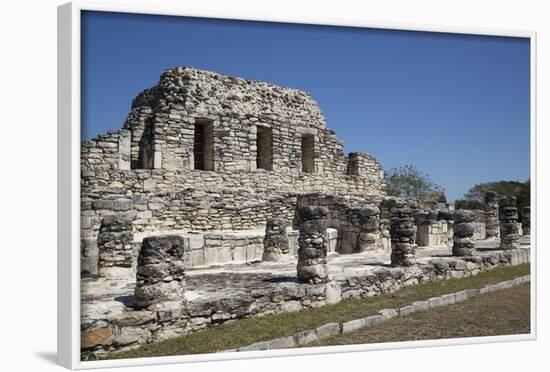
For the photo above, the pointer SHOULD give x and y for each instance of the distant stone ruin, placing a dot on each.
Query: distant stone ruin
(222, 198)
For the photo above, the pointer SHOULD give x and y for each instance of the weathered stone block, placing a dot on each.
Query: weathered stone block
(282, 343)
(160, 271)
(373, 319)
(276, 243)
(353, 325)
(434, 302)
(387, 314)
(306, 336)
(96, 337)
(327, 330)
(406, 310)
(333, 293)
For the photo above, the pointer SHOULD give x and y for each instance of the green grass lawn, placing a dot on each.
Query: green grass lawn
(250, 330)
(504, 312)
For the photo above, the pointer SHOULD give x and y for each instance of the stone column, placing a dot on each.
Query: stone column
(275, 239)
(115, 246)
(491, 215)
(160, 271)
(526, 221)
(464, 228)
(509, 226)
(369, 234)
(312, 251)
(402, 231)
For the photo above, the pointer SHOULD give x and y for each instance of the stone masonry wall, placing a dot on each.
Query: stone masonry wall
(147, 169)
(346, 215)
(107, 152)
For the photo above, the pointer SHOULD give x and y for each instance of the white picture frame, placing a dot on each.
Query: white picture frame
(69, 180)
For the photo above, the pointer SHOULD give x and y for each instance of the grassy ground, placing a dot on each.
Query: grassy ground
(503, 312)
(247, 331)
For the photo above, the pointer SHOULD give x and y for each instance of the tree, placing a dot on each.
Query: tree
(476, 195)
(408, 182)
(469, 204)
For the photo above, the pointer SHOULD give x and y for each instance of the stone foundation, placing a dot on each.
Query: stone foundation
(214, 297)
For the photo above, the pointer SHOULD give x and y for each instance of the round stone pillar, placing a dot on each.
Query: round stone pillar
(276, 239)
(160, 271)
(312, 251)
(509, 226)
(492, 228)
(464, 228)
(402, 231)
(115, 246)
(369, 234)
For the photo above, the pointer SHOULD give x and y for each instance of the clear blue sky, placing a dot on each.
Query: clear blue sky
(455, 106)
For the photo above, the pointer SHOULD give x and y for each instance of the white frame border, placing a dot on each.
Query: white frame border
(68, 163)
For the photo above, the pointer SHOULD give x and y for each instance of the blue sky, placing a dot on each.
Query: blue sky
(455, 106)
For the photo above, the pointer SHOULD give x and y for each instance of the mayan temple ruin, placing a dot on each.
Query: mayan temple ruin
(222, 198)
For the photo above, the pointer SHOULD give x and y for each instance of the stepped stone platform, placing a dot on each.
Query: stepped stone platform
(214, 295)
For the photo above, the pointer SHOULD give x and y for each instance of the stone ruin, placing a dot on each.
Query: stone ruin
(464, 229)
(222, 198)
(492, 227)
(160, 271)
(509, 226)
(202, 153)
(276, 245)
(403, 232)
(312, 254)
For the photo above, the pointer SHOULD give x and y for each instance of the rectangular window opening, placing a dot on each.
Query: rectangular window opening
(308, 164)
(203, 145)
(264, 148)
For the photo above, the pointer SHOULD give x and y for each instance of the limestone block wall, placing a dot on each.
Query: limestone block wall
(107, 152)
(434, 228)
(364, 165)
(164, 119)
(236, 108)
(433, 234)
(479, 223)
(228, 247)
(147, 169)
(345, 215)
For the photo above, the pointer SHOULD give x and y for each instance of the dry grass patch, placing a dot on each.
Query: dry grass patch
(504, 312)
